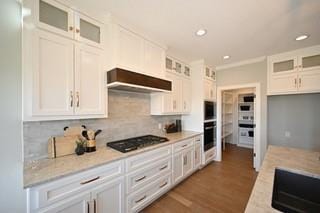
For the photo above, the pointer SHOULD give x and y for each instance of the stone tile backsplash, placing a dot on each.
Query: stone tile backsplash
(129, 116)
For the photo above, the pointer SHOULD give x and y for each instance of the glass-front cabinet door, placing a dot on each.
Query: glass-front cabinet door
(310, 61)
(187, 71)
(178, 67)
(169, 64)
(284, 65)
(88, 30)
(55, 17)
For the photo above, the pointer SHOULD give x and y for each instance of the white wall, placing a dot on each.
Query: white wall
(245, 74)
(12, 197)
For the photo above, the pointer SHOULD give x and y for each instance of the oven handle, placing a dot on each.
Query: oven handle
(207, 128)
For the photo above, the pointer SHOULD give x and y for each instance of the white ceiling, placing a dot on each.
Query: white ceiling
(243, 29)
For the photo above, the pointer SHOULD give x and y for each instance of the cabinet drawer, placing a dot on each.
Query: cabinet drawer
(182, 145)
(136, 162)
(137, 180)
(210, 155)
(46, 194)
(143, 197)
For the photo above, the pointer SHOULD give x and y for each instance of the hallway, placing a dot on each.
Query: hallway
(219, 187)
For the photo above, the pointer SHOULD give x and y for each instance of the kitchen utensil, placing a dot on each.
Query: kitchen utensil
(97, 133)
(91, 134)
(85, 134)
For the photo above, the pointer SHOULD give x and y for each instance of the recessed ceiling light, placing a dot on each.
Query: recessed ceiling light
(201, 32)
(302, 37)
(226, 57)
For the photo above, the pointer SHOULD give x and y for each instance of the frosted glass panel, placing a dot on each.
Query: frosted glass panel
(178, 67)
(283, 66)
(168, 63)
(311, 61)
(187, 71)
(89, 31)
(207, 72)
(53, 16)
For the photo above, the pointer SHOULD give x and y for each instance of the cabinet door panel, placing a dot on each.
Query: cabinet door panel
(283, 65)
(186, 96)
(130, 51)
(283, 83)
(53, 74)
(177, 94)
(177, 166)
(77, 204)
(109, 197)
(154, 59)
(309, 81)
(197, 156)
(54, 17)
(88, 30)
(89, 93)
(188, 162)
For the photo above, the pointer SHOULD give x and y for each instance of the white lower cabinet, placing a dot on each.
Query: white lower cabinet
(183, 161)
(108, 197)
(76, 204)
(123, 186)
(141, 198)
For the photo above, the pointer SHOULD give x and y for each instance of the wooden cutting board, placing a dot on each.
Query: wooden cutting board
(62, 146)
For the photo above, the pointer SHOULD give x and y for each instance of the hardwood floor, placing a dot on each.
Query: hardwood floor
(219, 187)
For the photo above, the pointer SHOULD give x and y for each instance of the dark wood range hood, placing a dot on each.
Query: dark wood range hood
(121, 79)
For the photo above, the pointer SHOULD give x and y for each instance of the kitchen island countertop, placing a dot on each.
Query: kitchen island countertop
(299, 160)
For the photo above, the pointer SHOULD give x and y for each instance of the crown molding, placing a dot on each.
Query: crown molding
(240, 63)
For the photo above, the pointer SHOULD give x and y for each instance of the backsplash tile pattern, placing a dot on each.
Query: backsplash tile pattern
(129, 116)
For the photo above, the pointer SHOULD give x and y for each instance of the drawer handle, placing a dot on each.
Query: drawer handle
(210, 155)
(141, 199)
(184, 145)
(163, 185)
(89, 181)
(140, 179)
(162, 168)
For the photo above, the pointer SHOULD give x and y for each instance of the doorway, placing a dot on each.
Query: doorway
(243, 119)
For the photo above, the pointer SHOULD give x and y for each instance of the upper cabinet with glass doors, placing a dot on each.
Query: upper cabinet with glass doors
(294, 72)
(209, 74)
(60, 19)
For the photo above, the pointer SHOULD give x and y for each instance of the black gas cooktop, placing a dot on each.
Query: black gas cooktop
(131, 144)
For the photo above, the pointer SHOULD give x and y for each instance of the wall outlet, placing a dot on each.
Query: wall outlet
(287, 134)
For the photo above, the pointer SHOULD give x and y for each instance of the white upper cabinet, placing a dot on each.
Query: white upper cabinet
(60, 19)
(209, 90)
(53, 78)
(88, 30)
(186, 95)
(134, 53)
(209, 73)
(178, 101)
(89, 92)
(55, 17)
(294, 72)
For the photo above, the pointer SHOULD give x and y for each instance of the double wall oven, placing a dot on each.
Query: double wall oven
(209, 127)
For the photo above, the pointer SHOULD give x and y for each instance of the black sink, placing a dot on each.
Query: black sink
(294, 192)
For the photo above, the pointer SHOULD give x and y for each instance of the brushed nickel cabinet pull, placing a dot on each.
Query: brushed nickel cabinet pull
(162, 168)
(163, 185)
(295, 82)
(88, 207)
(78, 99)
(71, 99)
(89, 181)
(94, 206)
(141, 199)
(184, 145)
(140, 179)
(299, 82)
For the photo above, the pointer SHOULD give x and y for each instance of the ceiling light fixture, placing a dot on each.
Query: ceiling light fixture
(226, 57)
(201, 32)
(302, 37)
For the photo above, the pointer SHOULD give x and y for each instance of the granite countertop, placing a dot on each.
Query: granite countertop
(298, 160)
(42, 171)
